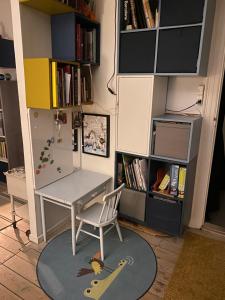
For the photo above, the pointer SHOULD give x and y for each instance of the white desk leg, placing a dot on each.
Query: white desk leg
(43, 218)
(13, 211)
(73, 218)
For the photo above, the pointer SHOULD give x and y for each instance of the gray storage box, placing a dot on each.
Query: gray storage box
(132, 204)
(172, 140)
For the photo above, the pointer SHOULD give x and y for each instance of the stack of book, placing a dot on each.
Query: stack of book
(3, 152)
(85, 44)
(133, 172)
(66, 86)
(172, 183)
(139, 14)
(2, 132)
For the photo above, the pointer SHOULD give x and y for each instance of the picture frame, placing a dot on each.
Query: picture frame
(96, 134)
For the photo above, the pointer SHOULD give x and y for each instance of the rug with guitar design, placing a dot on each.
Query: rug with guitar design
(128, 270)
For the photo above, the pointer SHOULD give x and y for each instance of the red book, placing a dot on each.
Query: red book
(78, 42)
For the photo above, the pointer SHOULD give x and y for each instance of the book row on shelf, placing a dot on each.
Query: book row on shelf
(86, 84)
(171, 182)
(133, 172)
(86, 44)
(138, 14)
(3, 151)
(2, 132)
(65, 85)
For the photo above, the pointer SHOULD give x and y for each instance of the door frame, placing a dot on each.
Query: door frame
(214, 83)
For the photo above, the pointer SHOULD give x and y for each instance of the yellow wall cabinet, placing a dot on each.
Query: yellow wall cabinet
(51, 83)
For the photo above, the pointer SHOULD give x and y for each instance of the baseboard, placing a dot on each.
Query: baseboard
(50, 232)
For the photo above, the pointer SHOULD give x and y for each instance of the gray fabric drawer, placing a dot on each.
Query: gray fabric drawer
(132, 204)
(172, 140)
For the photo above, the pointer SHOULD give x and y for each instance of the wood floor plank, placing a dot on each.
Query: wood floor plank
(173, 244)
(23, 268)
(6, 294)
(5, 255)
(165, 266)
(31, 245)
(9, 244)
(166, 254)
(158, 289)
(23, 225)
(20, 286)
(30, 256)
(15, 234)
(150, 296)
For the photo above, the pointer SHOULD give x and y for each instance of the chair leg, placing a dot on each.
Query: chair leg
(78, 230)
(101, 243)
(118, 230)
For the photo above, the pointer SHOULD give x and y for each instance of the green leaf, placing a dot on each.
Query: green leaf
(52, 161)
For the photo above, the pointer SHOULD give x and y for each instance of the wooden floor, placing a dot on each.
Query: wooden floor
(18, 258)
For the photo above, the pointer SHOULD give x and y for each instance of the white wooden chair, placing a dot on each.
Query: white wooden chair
(100, 215)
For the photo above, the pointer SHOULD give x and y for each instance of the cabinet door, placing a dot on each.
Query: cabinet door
(134, 114)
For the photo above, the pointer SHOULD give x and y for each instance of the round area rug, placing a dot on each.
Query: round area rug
(128, 270)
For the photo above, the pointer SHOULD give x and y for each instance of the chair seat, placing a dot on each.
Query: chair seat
(92, 214)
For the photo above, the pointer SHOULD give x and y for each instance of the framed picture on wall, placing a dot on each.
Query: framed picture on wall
(96, 134)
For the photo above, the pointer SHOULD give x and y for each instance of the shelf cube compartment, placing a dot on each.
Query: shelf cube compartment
(75, 38)
(137, 52)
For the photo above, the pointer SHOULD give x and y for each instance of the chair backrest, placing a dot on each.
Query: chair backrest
(110, 204)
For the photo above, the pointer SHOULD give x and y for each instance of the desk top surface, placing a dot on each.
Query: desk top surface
(74, 187)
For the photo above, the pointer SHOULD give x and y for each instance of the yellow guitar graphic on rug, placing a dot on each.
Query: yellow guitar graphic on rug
(100, 286)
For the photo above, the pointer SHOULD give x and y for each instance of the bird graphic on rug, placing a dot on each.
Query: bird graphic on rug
(97, 266)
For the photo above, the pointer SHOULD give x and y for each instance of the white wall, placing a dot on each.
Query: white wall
(182, 93)
(105, 102)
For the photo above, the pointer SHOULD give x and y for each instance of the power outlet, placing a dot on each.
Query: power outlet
(200, 94)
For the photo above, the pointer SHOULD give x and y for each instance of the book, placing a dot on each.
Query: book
(164, 183)
(127, 19)
(144, 172)
(133, 14)
(54, 85)
(174, 174)
(78, 41)
(140, 14)
(148, 14)
(126, 171)
(119, 173)
(181, 182)
(94, 59)
(138, 174)
(67, 70)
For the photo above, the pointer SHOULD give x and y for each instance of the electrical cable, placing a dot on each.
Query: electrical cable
(114, 69)
(186, 108)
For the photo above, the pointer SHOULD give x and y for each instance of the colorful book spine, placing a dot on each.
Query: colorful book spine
(148, 14)
(133, 14)
(174, 180)
(181, 183)
(164, 183)
(54, 85)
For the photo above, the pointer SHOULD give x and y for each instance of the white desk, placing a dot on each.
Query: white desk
(78, 187)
